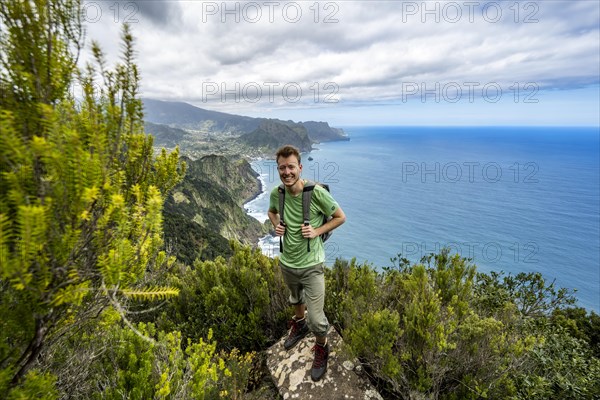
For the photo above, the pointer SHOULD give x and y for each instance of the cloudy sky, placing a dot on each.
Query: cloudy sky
(367, 62)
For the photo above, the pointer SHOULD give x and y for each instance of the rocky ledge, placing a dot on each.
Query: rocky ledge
(344, 379)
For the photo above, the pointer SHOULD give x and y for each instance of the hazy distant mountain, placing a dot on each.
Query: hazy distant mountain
(185, 116)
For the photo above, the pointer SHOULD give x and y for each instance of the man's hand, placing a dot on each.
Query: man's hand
(280, 230)
(308, 232)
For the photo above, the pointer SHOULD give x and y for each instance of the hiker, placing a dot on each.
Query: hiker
(302, 253)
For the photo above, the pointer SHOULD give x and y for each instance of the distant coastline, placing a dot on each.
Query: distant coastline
(259, 215)
(257, 193)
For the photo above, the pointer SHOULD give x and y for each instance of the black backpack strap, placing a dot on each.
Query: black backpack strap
(306, 199)
(281, 190)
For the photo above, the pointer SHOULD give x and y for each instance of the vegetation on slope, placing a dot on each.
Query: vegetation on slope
(438, 329)
(204, 211)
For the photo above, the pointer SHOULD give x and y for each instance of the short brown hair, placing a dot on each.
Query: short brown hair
(286, 151)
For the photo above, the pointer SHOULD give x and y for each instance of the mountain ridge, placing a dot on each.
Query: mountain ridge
(189, 117)
(272, 134)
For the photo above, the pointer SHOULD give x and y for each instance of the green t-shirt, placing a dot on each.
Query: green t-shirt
(295, 254)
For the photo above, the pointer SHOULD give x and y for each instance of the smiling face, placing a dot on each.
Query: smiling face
(289, 170)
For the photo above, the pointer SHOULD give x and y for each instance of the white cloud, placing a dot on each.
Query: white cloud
(370, 50)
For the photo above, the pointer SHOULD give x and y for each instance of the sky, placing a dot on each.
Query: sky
(366, 62)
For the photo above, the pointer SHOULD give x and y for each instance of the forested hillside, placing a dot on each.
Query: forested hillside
(205, 210)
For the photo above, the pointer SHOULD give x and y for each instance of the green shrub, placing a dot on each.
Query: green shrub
(580, 324)
(34, 385)
(114, 361)
(351, 289)
(559, 366)
(438, 329)
(242, 299)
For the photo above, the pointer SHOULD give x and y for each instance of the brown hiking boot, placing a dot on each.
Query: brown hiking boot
(298, 331)
(319, 365)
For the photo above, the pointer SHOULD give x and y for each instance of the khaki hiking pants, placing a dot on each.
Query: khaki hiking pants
(307, 286)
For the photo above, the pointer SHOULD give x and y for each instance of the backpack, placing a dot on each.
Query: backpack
(306, 199)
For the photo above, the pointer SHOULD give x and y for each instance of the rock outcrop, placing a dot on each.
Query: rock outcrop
(322, 132)
(344, 379)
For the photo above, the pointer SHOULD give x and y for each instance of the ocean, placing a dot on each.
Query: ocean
(514, 199)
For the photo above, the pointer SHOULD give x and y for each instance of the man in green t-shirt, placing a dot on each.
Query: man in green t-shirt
(302, 265)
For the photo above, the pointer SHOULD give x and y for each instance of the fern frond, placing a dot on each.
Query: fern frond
(152, 293)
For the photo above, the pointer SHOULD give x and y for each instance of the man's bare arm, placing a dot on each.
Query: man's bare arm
(274, 218)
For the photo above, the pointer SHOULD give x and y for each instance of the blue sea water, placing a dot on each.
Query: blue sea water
(511, 198)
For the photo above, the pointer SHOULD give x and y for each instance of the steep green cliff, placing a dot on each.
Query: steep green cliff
(205, 210)
(322, 132)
